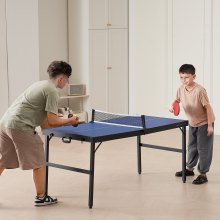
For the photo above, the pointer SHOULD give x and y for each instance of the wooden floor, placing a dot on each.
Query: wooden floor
(120, 193)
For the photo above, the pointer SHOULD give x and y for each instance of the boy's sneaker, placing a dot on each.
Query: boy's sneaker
(200, 180)
(188, 173)
(45, 200)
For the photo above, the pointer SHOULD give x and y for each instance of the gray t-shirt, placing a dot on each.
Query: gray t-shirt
(29, 110)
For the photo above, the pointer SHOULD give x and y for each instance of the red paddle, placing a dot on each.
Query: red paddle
(176, 108)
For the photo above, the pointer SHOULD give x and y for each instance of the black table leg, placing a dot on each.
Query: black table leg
(184, 154)
(47, 140)
(139, 153)
(91, 175)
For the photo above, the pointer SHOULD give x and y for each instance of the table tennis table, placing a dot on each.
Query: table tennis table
(106, 126)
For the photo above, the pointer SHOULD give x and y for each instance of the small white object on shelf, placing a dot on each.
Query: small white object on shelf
(82, 114)
(76, 89)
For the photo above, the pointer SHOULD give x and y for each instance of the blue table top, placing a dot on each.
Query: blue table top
(97, 129)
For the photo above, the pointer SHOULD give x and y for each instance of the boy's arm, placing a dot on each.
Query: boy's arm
(209, 117)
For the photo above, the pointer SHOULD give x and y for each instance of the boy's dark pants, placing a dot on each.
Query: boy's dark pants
(200, 148)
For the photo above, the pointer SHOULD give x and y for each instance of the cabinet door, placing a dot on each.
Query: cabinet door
(118, 72)
(118, 13)
(98, 69)
(98, 15)
(108, 14)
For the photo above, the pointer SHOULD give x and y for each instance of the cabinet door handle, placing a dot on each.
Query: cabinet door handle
(109, 24)
(109, 68)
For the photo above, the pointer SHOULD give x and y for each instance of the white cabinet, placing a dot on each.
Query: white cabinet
(108, 14)
(98, 16)
(109, 70)
(118, 70)
(108, 48)
(98, 69)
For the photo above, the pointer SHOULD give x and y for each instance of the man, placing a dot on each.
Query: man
(20, 145)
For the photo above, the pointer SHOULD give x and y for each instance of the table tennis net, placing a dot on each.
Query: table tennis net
(126, 120)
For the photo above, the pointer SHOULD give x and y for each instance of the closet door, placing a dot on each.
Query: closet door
(98, 69)
(98, 14)
(109, 55)
(118, 70)
(118, 13)
(108, 14)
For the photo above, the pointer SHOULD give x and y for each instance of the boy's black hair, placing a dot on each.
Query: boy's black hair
(59, 67)
(187, 68)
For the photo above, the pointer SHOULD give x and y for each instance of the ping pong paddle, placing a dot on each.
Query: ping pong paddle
(176, 108)
(70, 116)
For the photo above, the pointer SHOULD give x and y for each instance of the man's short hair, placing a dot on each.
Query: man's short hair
(187, 68)
(59, 67)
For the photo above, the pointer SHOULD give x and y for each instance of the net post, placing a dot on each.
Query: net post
(143, 122)
(93, 115)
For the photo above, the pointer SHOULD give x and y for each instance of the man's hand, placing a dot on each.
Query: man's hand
(74, 120)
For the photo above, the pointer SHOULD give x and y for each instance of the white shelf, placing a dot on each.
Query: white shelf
(73, 96)
(82, 114)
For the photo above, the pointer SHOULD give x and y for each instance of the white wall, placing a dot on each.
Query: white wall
(22, 44)
(148, 64)
(78, 23)
(132, 63)
(36, 33)
(3, 60)
(215, 55)
(53, 33)
(164, 34)
(78, 20)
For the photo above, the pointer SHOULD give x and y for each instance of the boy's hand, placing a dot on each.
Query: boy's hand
(171, 108)
(210, 130)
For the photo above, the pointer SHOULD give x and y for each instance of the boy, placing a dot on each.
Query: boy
(201, 118)
(20, 145)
